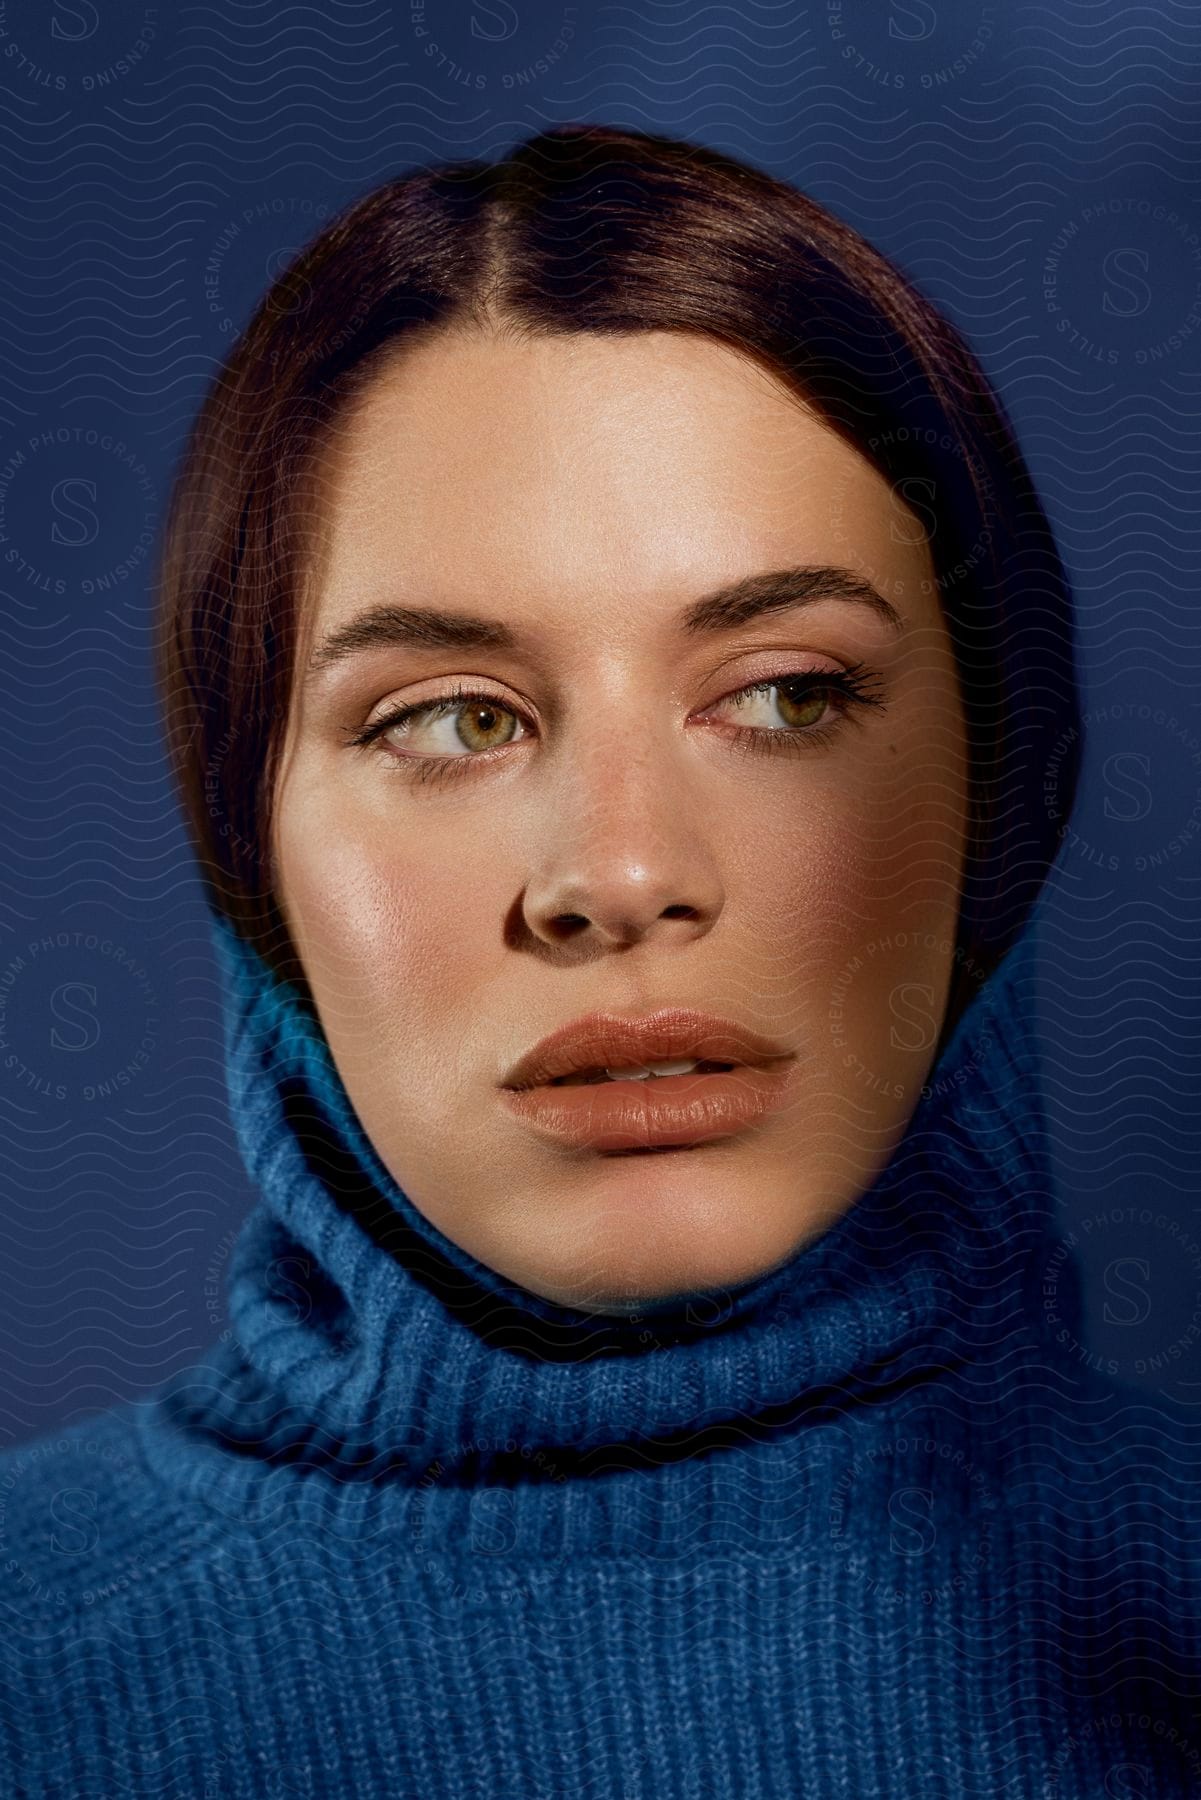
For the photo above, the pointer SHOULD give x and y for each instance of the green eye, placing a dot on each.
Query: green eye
(484, 723)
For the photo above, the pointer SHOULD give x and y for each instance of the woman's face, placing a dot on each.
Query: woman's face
(603, 839)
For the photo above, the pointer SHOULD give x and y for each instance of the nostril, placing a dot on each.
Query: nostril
(568, 924)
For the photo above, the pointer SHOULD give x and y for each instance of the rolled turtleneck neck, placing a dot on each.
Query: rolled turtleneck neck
(359, 1332)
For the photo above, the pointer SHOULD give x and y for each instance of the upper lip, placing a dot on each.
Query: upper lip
(607, 1040)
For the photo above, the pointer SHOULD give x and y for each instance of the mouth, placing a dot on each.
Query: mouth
(672, 1046)
(596, 1076)
(635, 1111)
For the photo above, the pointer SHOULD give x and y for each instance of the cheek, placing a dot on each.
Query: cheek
(394, 918)
(865, 893)
(888, 948)
(882, 841)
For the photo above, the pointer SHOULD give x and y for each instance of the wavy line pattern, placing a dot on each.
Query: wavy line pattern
(1033, 168)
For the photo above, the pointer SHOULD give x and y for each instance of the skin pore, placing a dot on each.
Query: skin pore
(585, 490)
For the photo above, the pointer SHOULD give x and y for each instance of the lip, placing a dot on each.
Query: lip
(607, 1040)
(662, 1113)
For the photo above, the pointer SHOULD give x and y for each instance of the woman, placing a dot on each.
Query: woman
(609, 631)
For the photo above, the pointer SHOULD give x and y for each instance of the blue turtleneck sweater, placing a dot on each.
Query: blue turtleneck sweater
(867, 1526)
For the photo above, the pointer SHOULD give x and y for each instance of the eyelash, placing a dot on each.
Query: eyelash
(854, 686)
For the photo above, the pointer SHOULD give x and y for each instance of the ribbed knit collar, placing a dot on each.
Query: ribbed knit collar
(360, 1332)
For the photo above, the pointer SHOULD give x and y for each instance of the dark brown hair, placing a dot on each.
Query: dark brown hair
(586, 228)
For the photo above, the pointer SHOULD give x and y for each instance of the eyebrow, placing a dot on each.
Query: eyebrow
(725, 609)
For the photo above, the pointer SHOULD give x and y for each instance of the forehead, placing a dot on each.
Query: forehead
(590, 477)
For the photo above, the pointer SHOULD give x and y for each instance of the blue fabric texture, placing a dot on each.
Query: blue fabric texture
(869, 1525)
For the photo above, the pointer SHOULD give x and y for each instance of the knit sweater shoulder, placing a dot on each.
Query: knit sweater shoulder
(868, 1525)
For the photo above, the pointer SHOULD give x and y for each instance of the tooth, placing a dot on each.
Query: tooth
(681, 1067)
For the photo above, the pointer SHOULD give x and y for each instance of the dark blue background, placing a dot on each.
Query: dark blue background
(1034, 167)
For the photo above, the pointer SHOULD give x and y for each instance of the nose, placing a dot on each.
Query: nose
(621, 856)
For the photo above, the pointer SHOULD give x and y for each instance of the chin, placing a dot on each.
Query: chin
(632, 1268)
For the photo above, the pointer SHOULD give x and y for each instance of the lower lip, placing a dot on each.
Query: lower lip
(660, 1112)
